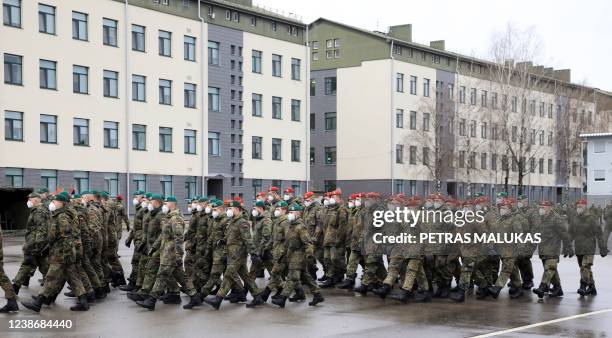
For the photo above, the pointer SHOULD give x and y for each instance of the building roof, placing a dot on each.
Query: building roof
(597, 135)
(253, 9)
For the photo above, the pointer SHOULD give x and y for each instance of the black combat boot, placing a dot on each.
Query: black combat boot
(231, 295)
(541, 290)
(214, 301)
(265, 294)
(494, 291)
(346, 284)
(100, 294)
(458, 295)
(527, 285)
(362, 289)
(148, 303)
(172, 298)
(591, 290)
(583, 288)
(328, 283)
(11, 306)
(257, 300)
(278, 293)
(444, 290)
(16, 288)
(35, 304)
(298, 296)
(382, 291)
(481, 292)
(81, 304)
(556, 291)
(280, 301)
(515, 292)
(239, 297)
(135, 296)
(91, 297)
(106, 288)
(128, 287)
(118, 279)
(316, 299)
(402, 295)
(322, 278)
(422, 296)
(51, 299)
(70, 294)
(196, 300)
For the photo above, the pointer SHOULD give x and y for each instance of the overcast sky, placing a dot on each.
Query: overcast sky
(574, 34)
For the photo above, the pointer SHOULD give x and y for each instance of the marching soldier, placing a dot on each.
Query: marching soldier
(335, 220)
(135, 236)
(5, 283)
(262, 234)
(216, 245)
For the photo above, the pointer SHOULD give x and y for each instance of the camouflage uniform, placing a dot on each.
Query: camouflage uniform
(35, 248)
(94, 223)
(190, 245)
(113, 222)
(279, 269)
(217, 245)
(553, 230)
(585, 230)
(355, 239)
(153, 247)
(5, 282)
(203, 254)
(299, 249)
(135, 235)
(607, 215)
(511, 223)
(472, 256)
(523, 261)
(143, 248)
(80, 233)
(334, 222)
(262, 234)
(313, 221)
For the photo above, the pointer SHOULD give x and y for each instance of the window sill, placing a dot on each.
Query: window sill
(80, 145)
(138, 50)
(45, 88)
(165, 104)
(139, 149)
(111, 97)
(14, 140)
(13, 26)
(83, 40)
(142, 101)
(13, 84)
(105, 147)
(165, 151)
(47, 33)
(81, 93)
(45, 142)
(109, 45)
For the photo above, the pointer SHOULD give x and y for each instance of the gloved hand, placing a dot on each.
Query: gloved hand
(128, 242)
(603, 252)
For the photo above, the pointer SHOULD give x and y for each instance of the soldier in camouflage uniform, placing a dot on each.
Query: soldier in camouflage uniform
(216, 245)
(553, 230)
(35, 249)
(262, 234)
(135, 235)
(272, 199)
(585, 229)
(355, 241)
(239, 245)
(113, 223)
(62, 258)
(335, 222)
(203, 256)
(142, 247)
(523, 261)
(607, 216)
(5, 283)
(277, 240)
(289, 196)
(171, 257)
(94, 224)
(312, 218)
(190, 240)
(299, 253)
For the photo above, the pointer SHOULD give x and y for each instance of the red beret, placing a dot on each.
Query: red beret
(273, 188)
(309, 194)
(582, 201)
(289, 190)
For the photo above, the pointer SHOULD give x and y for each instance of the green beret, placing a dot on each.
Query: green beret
(282, 204)
(33, 195)
(235, 204)
(95, 192)
(502, 194)
(170, 199)
(61, 198)
(296, 207)
(65, 193)
(478, 194)
(137, 192)
(104, 194)
(148, 195)
(156, 197)
(260, 204)
(43, 191)
(216, 203)
(203, 199)
(76, 196)
(86, 192)
(521, 197)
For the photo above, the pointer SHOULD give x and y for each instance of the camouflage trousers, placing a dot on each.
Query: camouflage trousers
(168, 275)
(150, 274)
(202, 270)
(295, 279)
(471, 271)
(490, 269)
(142, 269)
(444, 269)
(523, 263)
(58, 275)
(236, 272)
(319, 254)
(5, 283)
(415, 273)
(112, 266)
(355, 259)
(550, 275)
(585, 262)
(134, 263)
(278, 274)
(96, 261)
(28, 267)
(189, 263)
(218, 267)
(509, 271)
(83, 276)
(336, 261)
(397, 269)
(88, 267)
(374, 271)
(267, 263)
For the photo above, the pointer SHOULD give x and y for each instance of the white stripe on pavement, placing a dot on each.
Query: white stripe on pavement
(521, 328)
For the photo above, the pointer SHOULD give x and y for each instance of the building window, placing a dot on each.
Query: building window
(483, 161)
(330, 85)
(413, 85)
(426, 87)
(413, 120)
(399, 153)
(330, 155)
(550, 166)
(599, 175)
(111, 83)
(295, 110)
(165, 43)
(81, 181)
(46, 19)
(483, 130)
(599, 146)
(48, 129)
(493, 161)
(165, 92)
(13, 69)
(138, 88)
(140, 182)
(190, 141)
(472, 160)
(330, 185)
(461, 94)
(48, 74)
(189, 46)
(213, 53)
(256, 105)
(473, 96)
(256, 147)
(80, 78)
(213, 144)
(81, 132)
(276, 149)
(399, 82)
(13, 126)
(425, 156)
(79, 26)
(138, 38)
(330, 121)
(256, 61)
(111, 134)
(111, 183)
(277, 111)
(295, 69)
(166, 185)
(295, 150)
(276, 65)
(49, 179)
(399, 118)
(313, 87)
(213, 99)
(472, 128)
(190, 95)
(426, 120)
(313, 119)
(109, 32)
(312, 155)
(14, 177)
(12, 13)
(412, 154)
(165, 139)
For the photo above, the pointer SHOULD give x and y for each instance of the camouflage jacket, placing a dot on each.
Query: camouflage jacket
(585, 230)
(508, 224)
(474, 249)
(553, 232)
(216, 235)
(262, 233)
(238, 239)
(94, 223)
(120, 217)
(144, 241)
(190, 240)
(136, 231)
(62, 234)
(279, 227)
(84, 231)
(298, 245)
(201, 235)
(334, 222)
(312, 220)
(356, 225)
(36, 230)
(170, 237)
(154, 232)
(530, 214)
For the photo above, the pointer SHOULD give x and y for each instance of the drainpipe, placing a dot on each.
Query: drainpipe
(307, 115)
(392, 131)
(126, 126)
(204, 115)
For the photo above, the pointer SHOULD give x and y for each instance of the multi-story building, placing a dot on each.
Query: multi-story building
(598, 162)
(395, 116)
(173, 97)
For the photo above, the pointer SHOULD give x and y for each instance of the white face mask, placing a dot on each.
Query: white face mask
(215, 214)
(286, 197)
(579, 210)
(135, 202)
(270, 198)
(498, 201)
(277, 213)
(519, 204)
(144, 204)
(307, 203)
(255, 213)
(30, 204)
(478, 207)
(542, 212)
(194, 205)
(208, 210)
(150, 207)
(189, 209)
(198, 208)
(504, 211)
(165, 209)
(229, 213)
(85, 203)
(437, 205)
(358, 203)
(351, 205)
(291, 217)
(428, 204)
(52, 207)
(325, 202)
(332, 201)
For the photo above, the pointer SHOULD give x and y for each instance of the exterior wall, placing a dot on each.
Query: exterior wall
(601, 191)
(319, 137)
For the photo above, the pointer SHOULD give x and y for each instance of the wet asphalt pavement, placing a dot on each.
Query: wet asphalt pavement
(342, 314)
